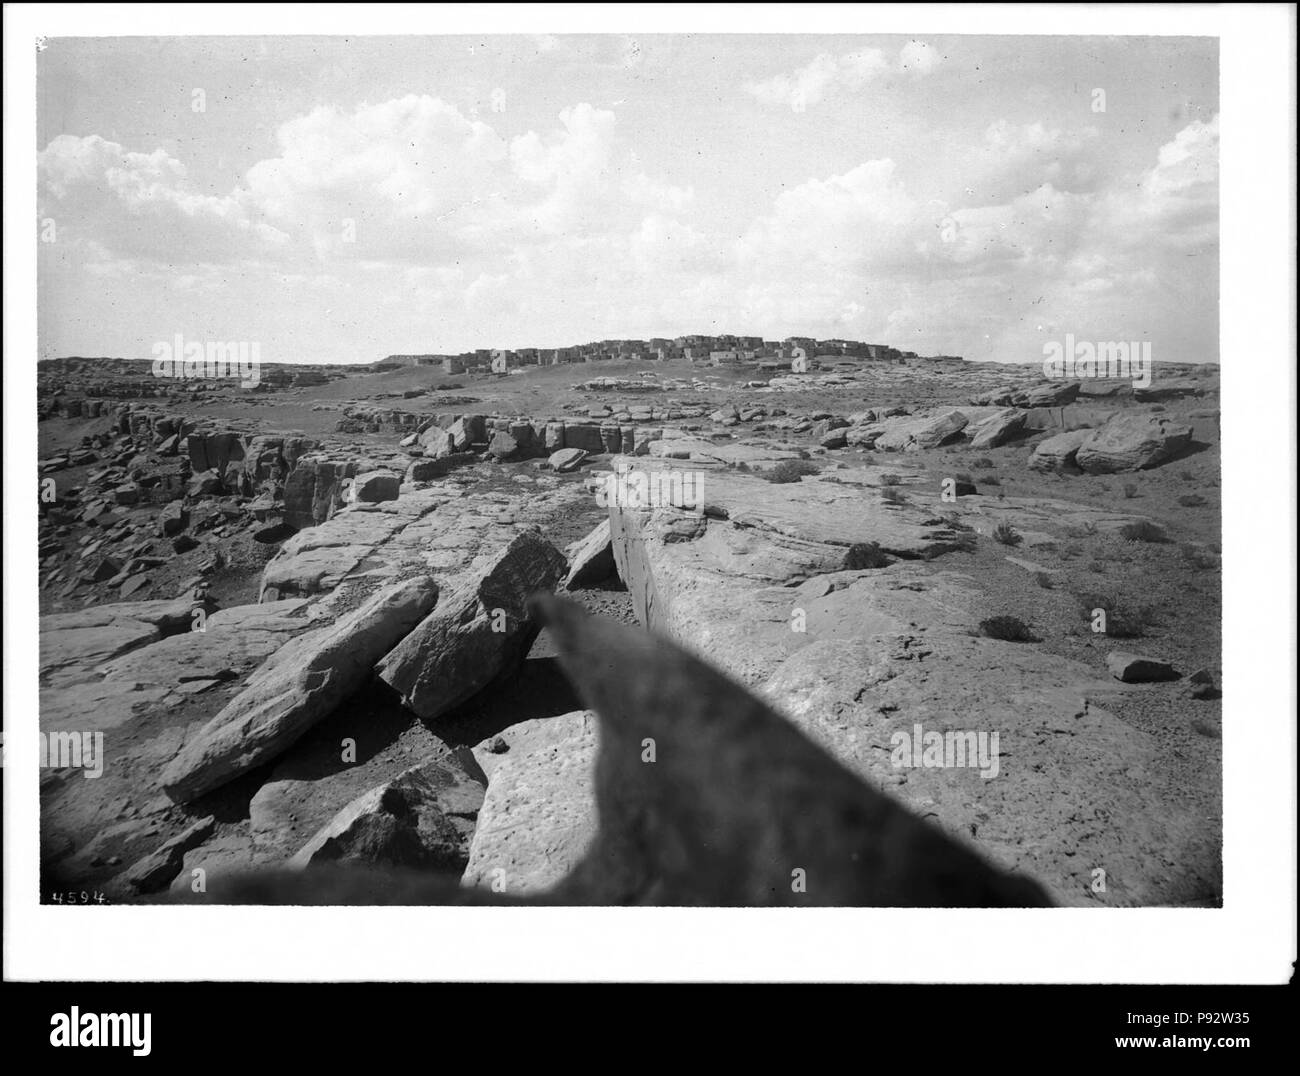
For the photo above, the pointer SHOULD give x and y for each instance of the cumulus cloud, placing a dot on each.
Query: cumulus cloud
(454, 222)
(96, 190)
(812, 83)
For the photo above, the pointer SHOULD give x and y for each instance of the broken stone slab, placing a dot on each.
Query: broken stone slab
(156, 870)
(920, 433)
(423, 818)
(538, 818)
(997, 429)
(1137, 669)
(591, 559)
(567, 459)
(373, 487)
(301, 684)
(480, 628)
(84, 639)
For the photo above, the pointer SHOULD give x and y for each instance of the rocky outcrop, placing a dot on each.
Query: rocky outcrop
(872, 654)
(706, 796)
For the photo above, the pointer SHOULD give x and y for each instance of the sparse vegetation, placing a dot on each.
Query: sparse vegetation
(1130, 490)
(1006, 534)
(953, 520)
(1043, 580)
(1124, 619)
(1007, 628)
(791, 471)
(991, 480)
(890, 480)
(983, 464)
(1191, 500)
(893, 496)
(1142, 531)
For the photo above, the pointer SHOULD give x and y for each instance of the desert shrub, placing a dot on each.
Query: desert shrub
(1124, 619)
(1205, 729)
(1191, 500)
(1043, 580)
(991, 480)
(1007, 628)
(1142, 531)
(892, 496)
(1187, 476)
(740, 465)
(890, 480)
(965, 477)
(1006, 534)
(866, 555)
(1070, 551)
(791, 471)
(1130, 491)
(954, 521)
(983, 464)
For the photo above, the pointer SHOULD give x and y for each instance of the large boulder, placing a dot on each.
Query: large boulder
(423, 818)
(1132, 442)
(918, 433)
(375, 486)
(435, 441)
(301, 684)
(480, 628)
(213, 451)
(567, 459)
(313, 492)
(1050, 394)
(998, 428)
(468, 430)
(1058, 453)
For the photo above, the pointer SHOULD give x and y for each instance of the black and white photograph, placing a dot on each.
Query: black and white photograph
(775, 468)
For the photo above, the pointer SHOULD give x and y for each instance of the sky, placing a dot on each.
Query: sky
(341, 199)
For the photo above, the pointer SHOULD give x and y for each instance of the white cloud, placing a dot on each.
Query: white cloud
(812, 83)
